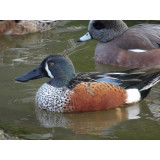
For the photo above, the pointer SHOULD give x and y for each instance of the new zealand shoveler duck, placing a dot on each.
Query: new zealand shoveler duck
(70, 92)
(18, 27)
(119, 45)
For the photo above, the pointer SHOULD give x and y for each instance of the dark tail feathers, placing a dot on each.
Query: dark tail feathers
(146, 83)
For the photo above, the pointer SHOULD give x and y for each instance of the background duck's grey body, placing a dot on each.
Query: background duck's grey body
(52, 98)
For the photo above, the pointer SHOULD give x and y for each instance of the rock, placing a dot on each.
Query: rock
(4, 136)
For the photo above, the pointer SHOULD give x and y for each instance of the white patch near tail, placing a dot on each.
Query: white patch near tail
(137, 50)
(116, 73)
(133, 96)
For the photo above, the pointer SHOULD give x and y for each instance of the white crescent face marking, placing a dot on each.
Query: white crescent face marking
(48, 71)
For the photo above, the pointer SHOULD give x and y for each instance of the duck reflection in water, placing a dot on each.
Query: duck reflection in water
(95, 123)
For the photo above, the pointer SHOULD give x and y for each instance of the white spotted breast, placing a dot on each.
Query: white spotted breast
(51, 98)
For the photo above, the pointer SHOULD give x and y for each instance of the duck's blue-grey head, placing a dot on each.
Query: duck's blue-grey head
(104, 30)
(57, 67)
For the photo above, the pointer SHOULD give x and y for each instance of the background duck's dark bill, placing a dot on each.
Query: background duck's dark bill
(86, 37)
(34, 74)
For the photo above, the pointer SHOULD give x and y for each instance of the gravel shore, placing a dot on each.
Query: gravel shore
(4, 136)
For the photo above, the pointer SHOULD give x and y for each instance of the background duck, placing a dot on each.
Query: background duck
(70, 92)
(119, 45)
(17, 27)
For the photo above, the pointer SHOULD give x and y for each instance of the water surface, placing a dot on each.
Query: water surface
(18, 114)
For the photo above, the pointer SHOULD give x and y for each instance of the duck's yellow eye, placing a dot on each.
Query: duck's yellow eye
(51, 64)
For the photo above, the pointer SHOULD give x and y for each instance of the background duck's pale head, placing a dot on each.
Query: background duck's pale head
(57, 67)
(106, 30)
